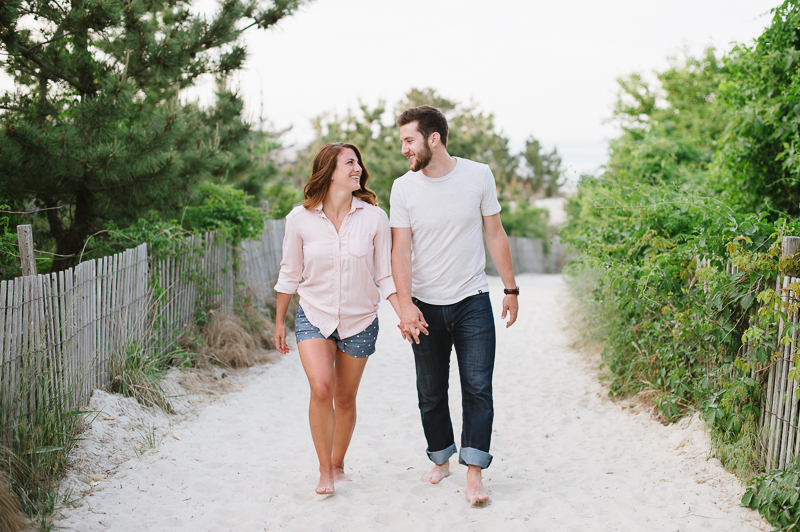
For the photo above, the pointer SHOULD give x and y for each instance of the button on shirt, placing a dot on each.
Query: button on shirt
(335, 274)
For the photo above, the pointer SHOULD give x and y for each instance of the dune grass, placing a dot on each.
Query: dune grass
(39, 426)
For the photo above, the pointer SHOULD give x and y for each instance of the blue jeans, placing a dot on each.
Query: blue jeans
(469, 326)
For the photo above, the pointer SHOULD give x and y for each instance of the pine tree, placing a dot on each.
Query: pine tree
(95, 130)
(544, 169)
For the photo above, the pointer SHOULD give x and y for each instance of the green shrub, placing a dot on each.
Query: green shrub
(224, 208)
(776, 496)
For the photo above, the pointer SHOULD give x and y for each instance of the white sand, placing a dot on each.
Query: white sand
(565, 457)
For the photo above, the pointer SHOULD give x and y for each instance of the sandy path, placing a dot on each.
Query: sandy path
(566, 458)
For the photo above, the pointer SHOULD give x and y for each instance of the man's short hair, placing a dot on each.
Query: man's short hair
(429, 120)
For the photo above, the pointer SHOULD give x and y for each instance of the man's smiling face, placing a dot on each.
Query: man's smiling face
(415, 147)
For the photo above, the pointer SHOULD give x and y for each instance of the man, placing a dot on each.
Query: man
(439, 210)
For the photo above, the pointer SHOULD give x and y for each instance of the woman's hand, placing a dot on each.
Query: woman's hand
(412, 323)
(280, 338)
(410, 328)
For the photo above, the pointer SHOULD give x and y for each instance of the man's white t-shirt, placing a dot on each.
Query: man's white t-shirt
(445, 215)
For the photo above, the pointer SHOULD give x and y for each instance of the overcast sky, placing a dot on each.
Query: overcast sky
(542, 67)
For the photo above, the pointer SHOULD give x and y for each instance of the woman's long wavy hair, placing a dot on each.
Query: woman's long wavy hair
(322, 170)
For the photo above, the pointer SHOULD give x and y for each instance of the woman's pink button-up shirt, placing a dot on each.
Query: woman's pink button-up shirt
(338, 270)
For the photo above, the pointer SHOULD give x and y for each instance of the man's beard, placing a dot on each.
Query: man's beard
(422, 158)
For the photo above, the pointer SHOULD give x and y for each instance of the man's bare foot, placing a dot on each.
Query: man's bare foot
(437, 473)
(476, 493)
(339, 475)
(325, 486)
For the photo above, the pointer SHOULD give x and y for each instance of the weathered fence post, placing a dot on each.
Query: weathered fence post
(265, 207)
(25, 241)
(789, 248)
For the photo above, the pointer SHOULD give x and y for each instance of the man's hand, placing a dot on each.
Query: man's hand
(412, 323)
(510, 307)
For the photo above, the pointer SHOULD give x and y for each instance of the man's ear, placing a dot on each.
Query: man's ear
(434, 139)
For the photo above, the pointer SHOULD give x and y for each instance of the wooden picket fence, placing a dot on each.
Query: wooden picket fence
(59, 332)
(780, 415)
(779, 422)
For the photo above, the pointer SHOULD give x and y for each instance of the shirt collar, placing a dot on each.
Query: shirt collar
(354, 204)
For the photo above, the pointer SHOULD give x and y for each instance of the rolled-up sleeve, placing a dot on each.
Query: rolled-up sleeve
(292, 261)
(383, 257)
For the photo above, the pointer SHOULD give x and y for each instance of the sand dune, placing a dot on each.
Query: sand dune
(566, 458)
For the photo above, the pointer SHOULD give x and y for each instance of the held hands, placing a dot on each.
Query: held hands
(412, 323)
(280, 339)
(510, 307)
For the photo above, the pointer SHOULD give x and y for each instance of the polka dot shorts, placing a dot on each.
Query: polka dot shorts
(359, 345)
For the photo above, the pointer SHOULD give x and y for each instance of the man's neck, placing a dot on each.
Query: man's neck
(441, 164)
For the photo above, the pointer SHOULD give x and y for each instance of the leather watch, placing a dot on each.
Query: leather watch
(514, 291)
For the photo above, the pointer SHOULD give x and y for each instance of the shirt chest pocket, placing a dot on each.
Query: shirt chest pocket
(358, 244)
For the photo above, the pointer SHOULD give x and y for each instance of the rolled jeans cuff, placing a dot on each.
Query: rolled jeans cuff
(469, 456)
(440, 457)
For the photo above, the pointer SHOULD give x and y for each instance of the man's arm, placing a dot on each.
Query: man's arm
(497, 243)
(411, 320)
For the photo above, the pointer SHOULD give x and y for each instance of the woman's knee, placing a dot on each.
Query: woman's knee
(345, 398)
(322, 390)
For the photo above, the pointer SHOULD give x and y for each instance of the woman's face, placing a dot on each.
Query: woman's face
(348, 172)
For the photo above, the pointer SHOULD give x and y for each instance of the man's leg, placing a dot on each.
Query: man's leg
(474, 338)
(432, 359)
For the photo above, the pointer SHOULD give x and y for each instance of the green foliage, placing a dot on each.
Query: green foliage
(759, 164)
(9, 252)
(776, 496)
(546, 172)
(163, 238)
(739, 451)
(224, 208)
(252, 164)
(95, 123)
(283, 196)
(525, 221)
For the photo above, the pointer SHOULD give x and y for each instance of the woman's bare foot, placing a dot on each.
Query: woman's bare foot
(476, 493)
(325, 486)
(437, 473)
(339, 475)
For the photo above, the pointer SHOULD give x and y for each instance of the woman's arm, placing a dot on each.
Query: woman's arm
(288, 279)
(395, 301)
(280, 322)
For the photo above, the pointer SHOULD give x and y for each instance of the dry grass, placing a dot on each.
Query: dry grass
(260, 327)
(11, 517)
(229, 344)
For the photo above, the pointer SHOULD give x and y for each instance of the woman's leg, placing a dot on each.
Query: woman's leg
(348, 376)
(317, 356)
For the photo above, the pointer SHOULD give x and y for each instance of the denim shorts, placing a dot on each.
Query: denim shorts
(359, 345)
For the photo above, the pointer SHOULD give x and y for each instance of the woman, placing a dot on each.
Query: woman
(339, 243)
